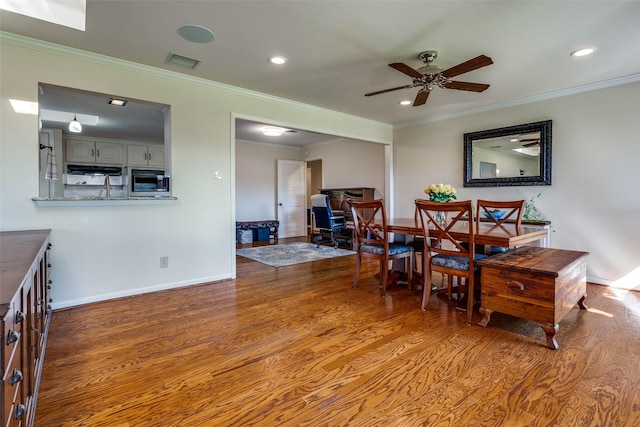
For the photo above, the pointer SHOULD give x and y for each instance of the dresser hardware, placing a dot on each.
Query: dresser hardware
(19, 316)
(16, 377)
(12, 337)
(515, 285)
(20, 409)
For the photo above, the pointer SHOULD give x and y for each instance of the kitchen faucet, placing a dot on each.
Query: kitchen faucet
(107, 187)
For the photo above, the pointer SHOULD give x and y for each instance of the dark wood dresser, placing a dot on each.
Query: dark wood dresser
(538, 284)
(26, 314)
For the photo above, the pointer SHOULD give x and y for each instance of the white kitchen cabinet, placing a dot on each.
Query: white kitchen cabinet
(145, 155)
(85, 151)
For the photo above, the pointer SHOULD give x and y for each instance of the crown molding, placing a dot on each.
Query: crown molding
(633, 78)
(96, 58)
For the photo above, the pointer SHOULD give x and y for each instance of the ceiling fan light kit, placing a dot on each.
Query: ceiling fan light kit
(430, 76)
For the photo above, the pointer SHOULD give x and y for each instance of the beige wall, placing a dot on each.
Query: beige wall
(351, 163)
(105, 252)
(345, 163)
(256, 178)
(594, 200)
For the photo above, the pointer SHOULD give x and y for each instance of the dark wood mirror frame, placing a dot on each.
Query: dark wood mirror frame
(544, 175)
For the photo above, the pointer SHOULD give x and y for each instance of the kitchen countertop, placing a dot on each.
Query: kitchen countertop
(102, 201)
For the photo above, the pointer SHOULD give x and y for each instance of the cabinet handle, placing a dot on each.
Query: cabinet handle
(20, 410)
(19, 317)
(49, 264)
(515, 285)
(93, 152)
(49, 246)
(16, 377)
(12, 336)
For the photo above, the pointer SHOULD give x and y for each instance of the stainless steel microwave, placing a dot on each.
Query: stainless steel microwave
(148, 182)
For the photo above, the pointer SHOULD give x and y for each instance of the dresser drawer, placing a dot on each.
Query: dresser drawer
(527, 295)
(13, 385)
(11, 330)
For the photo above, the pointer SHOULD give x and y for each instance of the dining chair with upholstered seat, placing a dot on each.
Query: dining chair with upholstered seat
(446, 254)
(372, 241)
(499, 212)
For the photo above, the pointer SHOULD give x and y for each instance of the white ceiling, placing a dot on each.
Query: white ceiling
(339, 50)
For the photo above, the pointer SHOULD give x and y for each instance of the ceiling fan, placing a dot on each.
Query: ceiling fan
(429, 76)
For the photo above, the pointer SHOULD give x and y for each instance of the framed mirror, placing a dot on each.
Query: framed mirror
(510, 156)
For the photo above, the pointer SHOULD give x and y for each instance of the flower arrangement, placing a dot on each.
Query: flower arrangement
(441, 192)
(531, 212)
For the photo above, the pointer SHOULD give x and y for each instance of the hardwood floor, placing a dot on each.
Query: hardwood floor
(297, 346)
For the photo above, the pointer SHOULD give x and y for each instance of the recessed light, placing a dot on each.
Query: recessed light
(271, 131)
(405, 102)
(277, 59)
(118, 102)
(196, 33)
(583, 52)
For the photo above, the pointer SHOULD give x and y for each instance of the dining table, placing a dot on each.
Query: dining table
(506, 235)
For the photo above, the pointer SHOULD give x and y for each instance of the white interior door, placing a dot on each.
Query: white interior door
(291, 198)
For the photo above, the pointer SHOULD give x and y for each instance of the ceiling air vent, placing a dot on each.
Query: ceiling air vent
(181, 61)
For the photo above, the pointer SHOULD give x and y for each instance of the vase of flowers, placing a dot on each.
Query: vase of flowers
(441, 193)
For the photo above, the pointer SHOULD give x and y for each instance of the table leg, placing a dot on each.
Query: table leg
(486, 316)
(551, 331)
(581, 303)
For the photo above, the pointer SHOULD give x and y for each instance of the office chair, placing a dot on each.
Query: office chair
(325, 220)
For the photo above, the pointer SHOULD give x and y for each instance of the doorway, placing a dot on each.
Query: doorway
(314, 184)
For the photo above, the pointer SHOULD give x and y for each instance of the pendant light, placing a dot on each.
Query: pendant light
(74, 125)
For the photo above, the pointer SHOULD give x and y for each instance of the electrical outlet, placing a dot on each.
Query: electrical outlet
(164, 261)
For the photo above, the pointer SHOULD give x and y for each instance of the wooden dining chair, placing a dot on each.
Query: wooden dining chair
(372, 241)
(499, 212)
(446, 254)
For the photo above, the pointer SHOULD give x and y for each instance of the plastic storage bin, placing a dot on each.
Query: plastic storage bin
(244, 236)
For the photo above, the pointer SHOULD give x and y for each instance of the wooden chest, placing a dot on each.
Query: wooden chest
(538, 284)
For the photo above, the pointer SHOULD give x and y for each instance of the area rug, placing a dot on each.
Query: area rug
(291, 253)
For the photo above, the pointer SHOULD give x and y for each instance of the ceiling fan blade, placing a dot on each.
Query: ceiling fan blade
(389, 90)
(421, 97)
(470, 65)
(404, 68)
(531, 144)
(472, 87)
(530, 140)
